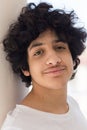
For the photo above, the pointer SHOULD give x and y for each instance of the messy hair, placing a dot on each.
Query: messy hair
(32, 21)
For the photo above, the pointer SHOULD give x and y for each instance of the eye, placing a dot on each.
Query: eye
(39, 52)
(60, 48)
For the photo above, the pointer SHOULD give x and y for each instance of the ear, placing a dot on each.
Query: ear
(74, 65)
(26, 72)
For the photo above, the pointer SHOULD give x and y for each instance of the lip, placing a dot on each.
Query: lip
(54, 71)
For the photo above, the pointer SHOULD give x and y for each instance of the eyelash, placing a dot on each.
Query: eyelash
(60, 48)
(39, 52)
(57, 48)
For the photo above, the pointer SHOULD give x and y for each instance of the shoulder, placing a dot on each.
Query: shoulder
(75, 109)
(72, 101)
(7, 125)
(14, 118)
(73, 105)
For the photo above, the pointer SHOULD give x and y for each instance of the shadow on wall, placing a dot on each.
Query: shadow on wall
(12, 90)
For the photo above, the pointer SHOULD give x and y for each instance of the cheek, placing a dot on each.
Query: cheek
(70, 66)
(34, 67)
(69, 63)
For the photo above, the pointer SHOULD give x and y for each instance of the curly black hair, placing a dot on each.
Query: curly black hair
(35, 19)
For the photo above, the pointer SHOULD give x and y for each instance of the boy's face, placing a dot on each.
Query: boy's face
(50, 61)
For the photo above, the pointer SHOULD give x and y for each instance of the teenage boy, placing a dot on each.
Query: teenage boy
(43, 47)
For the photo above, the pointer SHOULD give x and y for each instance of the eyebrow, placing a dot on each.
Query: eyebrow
(40, 44)
(35, 45)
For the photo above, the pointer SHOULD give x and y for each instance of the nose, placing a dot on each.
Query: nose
(53, 59)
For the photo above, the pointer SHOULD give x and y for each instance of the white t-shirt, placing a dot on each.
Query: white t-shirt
(26, 118)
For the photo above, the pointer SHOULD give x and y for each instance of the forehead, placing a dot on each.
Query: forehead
(48, 32)
(45, 36)
(48, 37)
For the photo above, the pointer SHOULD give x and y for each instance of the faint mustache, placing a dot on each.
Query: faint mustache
(54, 69)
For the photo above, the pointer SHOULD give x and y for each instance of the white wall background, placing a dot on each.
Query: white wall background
(11, 88)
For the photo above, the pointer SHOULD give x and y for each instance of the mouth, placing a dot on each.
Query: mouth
(57, 71)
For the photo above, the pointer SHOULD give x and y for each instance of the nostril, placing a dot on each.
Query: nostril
(53, 61)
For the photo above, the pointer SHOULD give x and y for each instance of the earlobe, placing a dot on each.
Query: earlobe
(26, 72)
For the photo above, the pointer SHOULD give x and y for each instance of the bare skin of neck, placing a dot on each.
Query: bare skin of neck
(47, 100)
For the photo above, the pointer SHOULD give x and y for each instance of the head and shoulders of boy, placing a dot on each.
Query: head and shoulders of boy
(43, 46)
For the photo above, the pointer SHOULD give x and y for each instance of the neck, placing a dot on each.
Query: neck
(49, 100)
